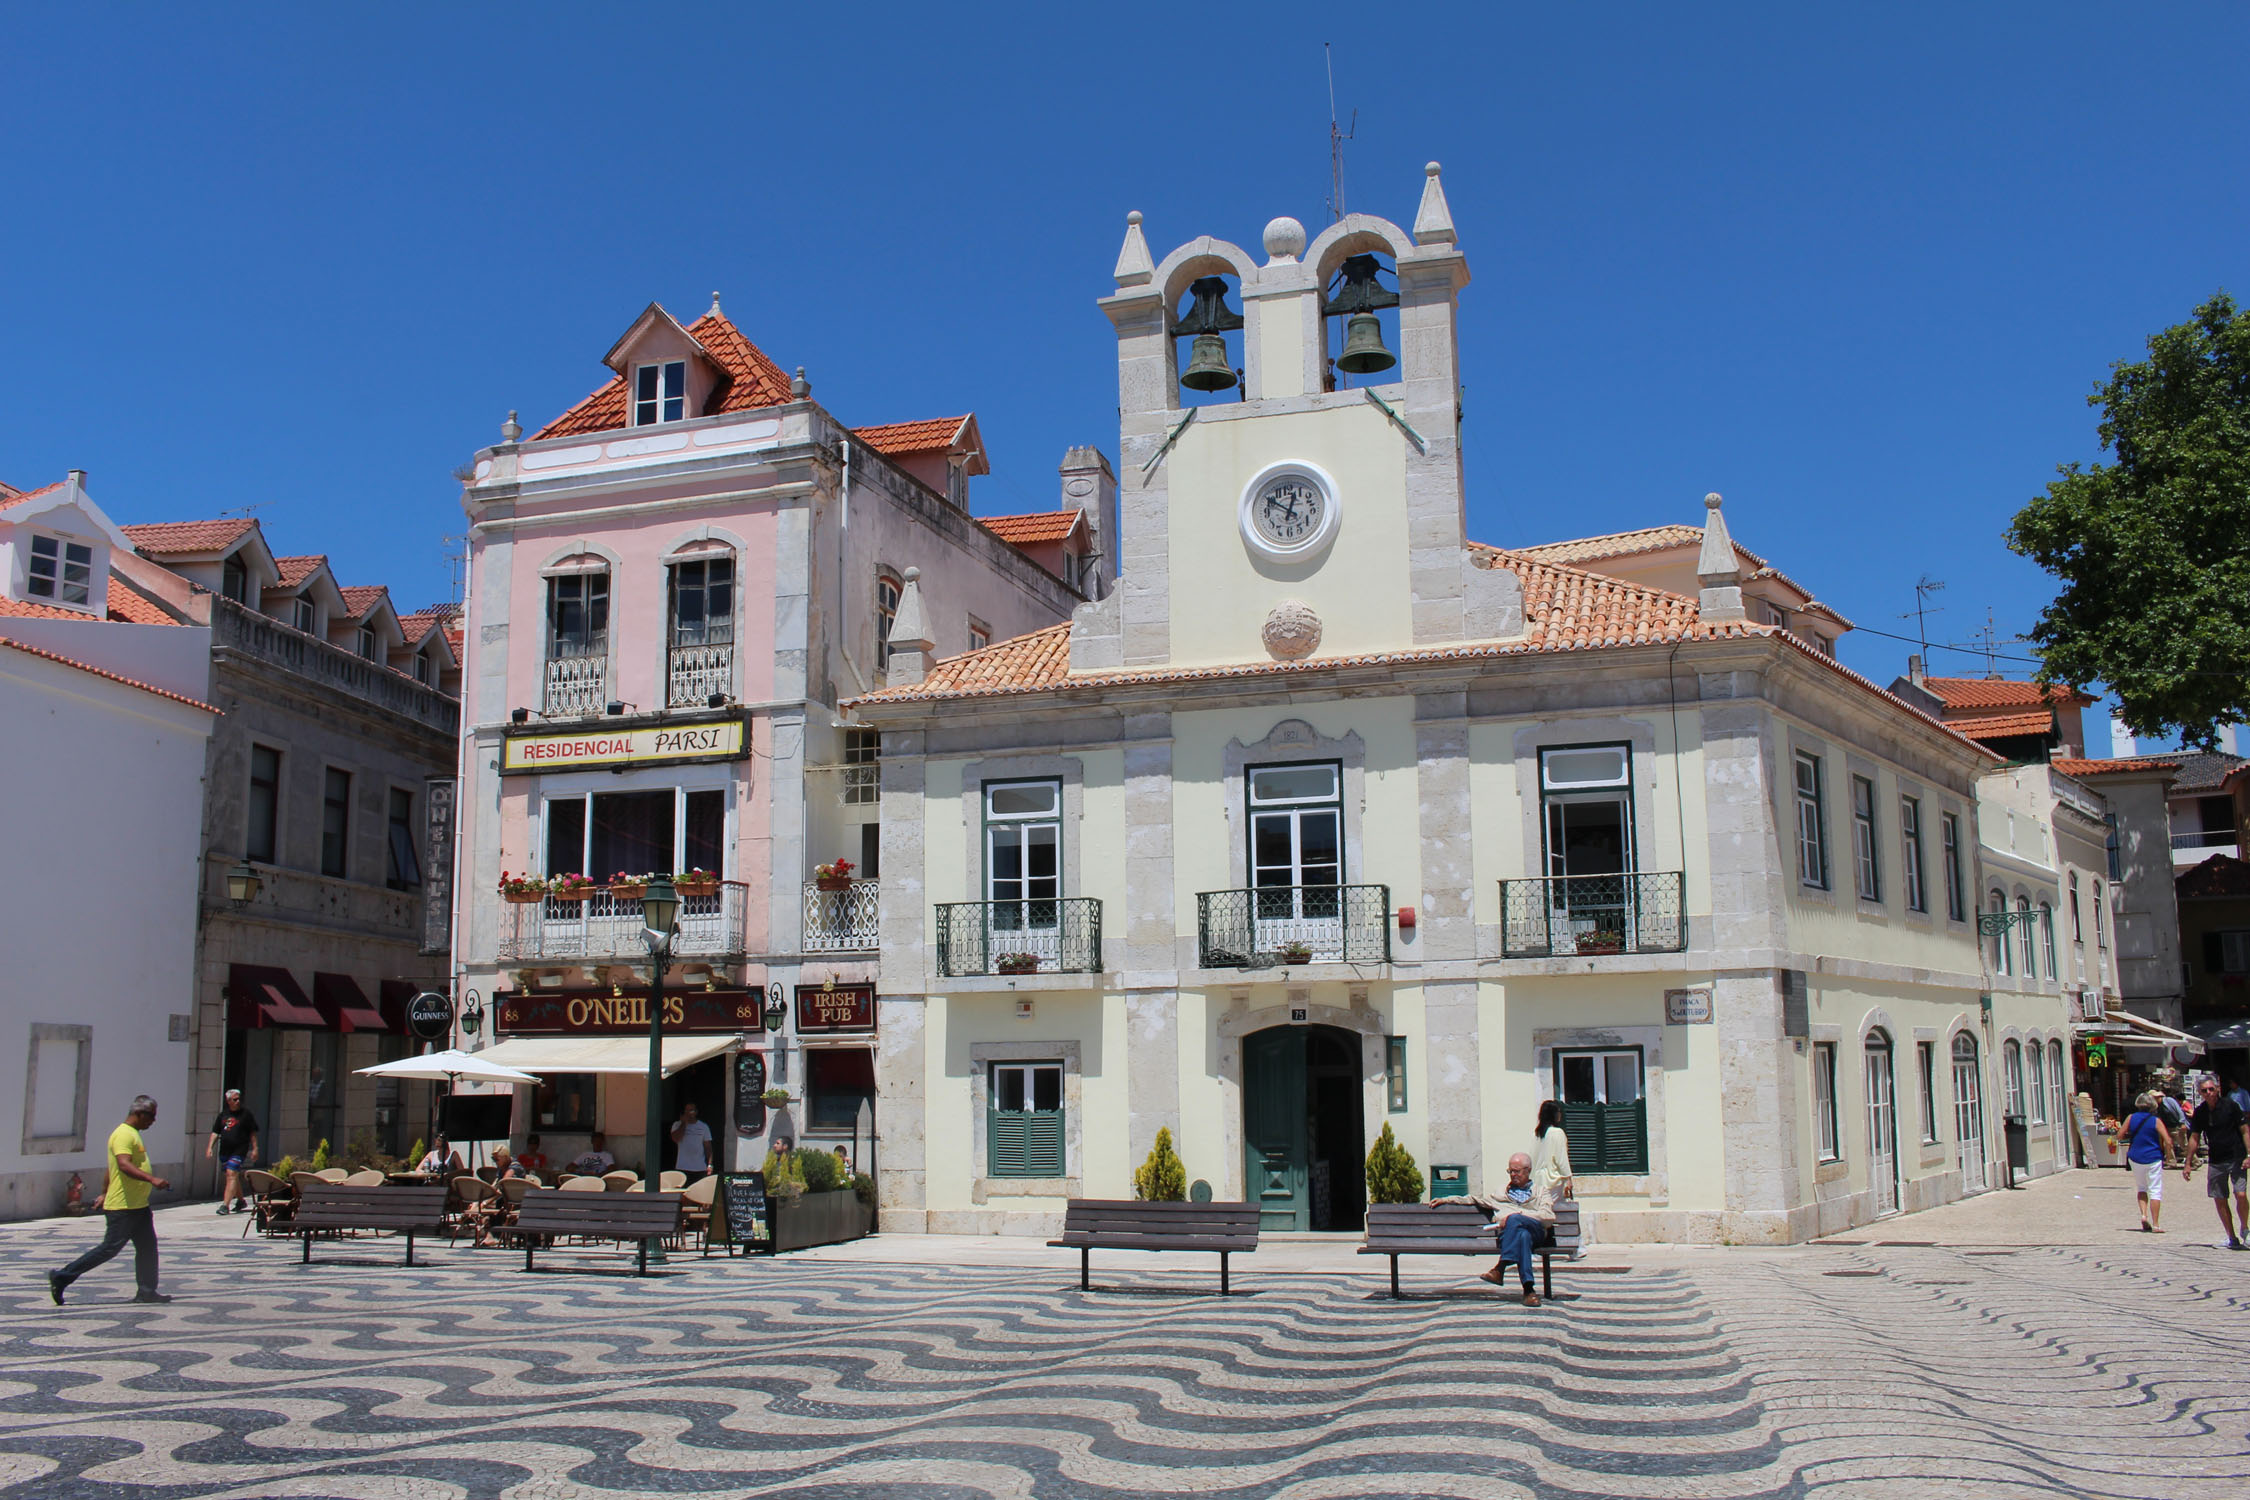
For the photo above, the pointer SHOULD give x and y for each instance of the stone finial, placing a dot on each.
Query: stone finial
(1134, 267)
(1285, 241)
(800, 389)
(511, 431)
(1717, 567)
(714, 312)
(1433, 222)
(911, 642)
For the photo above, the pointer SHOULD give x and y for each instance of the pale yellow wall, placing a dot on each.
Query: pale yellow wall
(1359, 588)
(952, 839)
(1204, 1113)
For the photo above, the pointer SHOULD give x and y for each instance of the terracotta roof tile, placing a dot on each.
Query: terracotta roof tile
(362, 597)
(934, 435)
(2221, 877)
(112, 676)
(295, 570)
(2071, 766)
(753, 381)
(172, 538)
(1996, 693)
(2006, 726)
(421, 622)
(11, 496)
(32, 609)
(130, 607)
(1039, 526)
(1624, 544)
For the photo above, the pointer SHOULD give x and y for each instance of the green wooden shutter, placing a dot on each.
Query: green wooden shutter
(1043, 1144)
(1581, 1122)
(1623, 1131)
(1005, 1133)
(1024, 1144)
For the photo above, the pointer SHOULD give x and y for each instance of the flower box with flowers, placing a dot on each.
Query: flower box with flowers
(623, 888)
(835, 876)
(522, 890)
(696, 885)
(1017, 963)
(570, 888)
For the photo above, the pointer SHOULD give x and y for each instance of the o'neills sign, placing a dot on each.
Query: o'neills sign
(595, 1014)
(647, 745)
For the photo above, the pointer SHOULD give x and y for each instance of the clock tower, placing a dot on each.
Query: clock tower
(1290, 482)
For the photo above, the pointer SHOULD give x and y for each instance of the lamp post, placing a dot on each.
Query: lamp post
(660, 917)
(242, 885)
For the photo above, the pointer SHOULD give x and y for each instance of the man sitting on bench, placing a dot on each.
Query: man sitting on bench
(1526, 1216)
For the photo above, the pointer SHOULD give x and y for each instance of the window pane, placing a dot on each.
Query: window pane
(1046, 1087)
(1273, 849)
(265, 799)
(632, 833)
(1621, 1078)
(1320, 844)
(1007, 1089)
(1600, 766)
(1293, 783)
(335, 816)
(1578, 1080)
(566, 836)
(706, 832)
(1022, 799)
(837, 1081)
(1042, 866)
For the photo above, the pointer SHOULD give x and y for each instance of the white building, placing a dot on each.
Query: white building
(103, 728)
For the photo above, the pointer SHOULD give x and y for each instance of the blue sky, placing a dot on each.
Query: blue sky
(1857, 271)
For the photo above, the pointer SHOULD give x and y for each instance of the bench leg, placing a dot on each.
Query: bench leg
(410, 1247)
(306, 1239)
(1394, 1276)
(1222, 1273)
(530, 1241)
(1547, 1276)
(1085, 1268)
(642, 1268)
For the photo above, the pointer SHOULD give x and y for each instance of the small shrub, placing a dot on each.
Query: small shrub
(820, 1171)
(414, 1153)
(1392, 1176)
(320, 1156)
(284, 1167)
(782, 1177)
(1162, 1178)
(864, 1186)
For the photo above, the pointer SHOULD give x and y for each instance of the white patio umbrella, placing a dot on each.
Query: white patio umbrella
(452, 1065)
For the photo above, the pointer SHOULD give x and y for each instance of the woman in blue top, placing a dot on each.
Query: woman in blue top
(2147, 1145)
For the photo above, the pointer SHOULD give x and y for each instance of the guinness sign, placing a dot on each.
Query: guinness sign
(429, 1015)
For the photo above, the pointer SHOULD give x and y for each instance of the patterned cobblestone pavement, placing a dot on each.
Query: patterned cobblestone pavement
(2118, 1369)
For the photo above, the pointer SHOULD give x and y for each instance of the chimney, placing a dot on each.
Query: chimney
(1090, 486)
(1717, 568)
(911, 644)
(1915, 671)
(2120, 738)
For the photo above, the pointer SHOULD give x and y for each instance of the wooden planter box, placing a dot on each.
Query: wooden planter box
(834, 882)
(818, 1219)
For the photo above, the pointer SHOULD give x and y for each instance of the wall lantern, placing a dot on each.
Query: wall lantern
(243, 885)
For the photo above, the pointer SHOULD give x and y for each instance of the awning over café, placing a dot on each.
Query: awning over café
(259, 995)
(341, 996)
(602, 1054)
(2122, 1028)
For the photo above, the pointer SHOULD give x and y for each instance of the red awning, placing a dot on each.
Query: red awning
(340, 995)
(259, 996)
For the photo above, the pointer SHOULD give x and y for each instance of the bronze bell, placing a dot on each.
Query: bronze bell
(1364, 353)
(1209, 319)
(1208, 369)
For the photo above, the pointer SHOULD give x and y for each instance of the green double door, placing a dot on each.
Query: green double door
(1304, 1147)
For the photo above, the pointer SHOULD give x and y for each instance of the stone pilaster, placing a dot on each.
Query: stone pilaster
(1455, 1089)
(1446, 928)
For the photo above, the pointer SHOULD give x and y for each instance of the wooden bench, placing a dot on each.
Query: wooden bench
(1396, 1229)
(1091, 1224)
(331, 1208)
(553, 1213)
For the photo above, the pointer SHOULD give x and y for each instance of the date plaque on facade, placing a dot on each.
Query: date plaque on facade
(622, 745)
(1691, 1007)
(847, 1007)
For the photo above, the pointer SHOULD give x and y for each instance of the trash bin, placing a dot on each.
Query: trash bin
(2019, 1147)
(1448, 1182)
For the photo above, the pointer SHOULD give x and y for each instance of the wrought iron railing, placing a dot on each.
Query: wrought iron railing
(1577, 915)
(577, 684)
(842, 921)
(1272, 925)
(606, 926)
(697, 672)
(1054, 936)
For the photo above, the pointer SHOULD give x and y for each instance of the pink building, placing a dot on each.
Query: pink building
(671, 586)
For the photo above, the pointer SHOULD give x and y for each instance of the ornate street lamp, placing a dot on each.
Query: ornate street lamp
(242, 885)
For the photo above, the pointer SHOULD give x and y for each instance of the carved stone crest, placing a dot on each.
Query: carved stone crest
(1291, 630)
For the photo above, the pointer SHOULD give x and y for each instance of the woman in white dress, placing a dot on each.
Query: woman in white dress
(1550, 1158)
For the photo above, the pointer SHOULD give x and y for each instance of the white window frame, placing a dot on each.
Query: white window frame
(2047, 937)
(1956, 885)
(664, 403)
(303, 615)
(2035, 1083)
(863, 771)
(1002, 829)
(2101, 927)
(2058, 1079)
(1812, 822)
(980, 634)
(1910, 854)
(1867, 873)
(1925, 1053)
(586, 785)
(1825, 1131)
(66, 1142)
(889, 589)
(2027, 942)
(55, 581)
(2011, 1077)
(2001, 957)
(368, 643)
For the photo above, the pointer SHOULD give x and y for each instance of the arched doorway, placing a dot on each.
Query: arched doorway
(1882, 1124)
(1968, 1113)
(1304, 1141)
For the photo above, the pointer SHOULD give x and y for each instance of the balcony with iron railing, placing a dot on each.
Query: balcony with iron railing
(2194, 848)
(842, 920)
(699, 672)
(1053, 936)
(1270, 926)
(1567, 916)
(577, 678)
(609, 927)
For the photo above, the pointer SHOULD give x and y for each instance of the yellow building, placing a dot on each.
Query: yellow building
(1328, 818)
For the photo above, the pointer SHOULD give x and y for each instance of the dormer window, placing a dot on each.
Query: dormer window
(368, 643)
(660, 393)
(61, 571)
(422, 668)
(234, 579)
(957, 482)
(301, 615)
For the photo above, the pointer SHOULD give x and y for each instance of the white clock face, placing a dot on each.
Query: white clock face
(1289, 509)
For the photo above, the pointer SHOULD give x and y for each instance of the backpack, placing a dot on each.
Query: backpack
(2168, 1109)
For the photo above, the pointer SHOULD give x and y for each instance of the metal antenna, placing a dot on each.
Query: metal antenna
(1988, 642)
(1336, 139)
(247, 512)
(1923, 588)
(456, 555)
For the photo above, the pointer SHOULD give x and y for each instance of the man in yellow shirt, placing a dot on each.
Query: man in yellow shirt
(125, 1208)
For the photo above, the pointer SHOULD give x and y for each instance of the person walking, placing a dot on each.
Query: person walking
(1550, 1158)
(2218, 1123)
(234, 1141)
(2148, 1144)
(125, 1210)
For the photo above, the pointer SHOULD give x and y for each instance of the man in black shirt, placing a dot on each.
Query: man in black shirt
(234, 1140)
(2219, 1125)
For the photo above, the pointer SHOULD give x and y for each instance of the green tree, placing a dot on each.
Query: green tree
(1162, 1178)
(2153, 550)
(1392, 1176)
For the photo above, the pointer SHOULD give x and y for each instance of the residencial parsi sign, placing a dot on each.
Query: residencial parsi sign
(651, 744)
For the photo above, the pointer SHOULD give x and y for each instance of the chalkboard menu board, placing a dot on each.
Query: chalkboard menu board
(749, 1093)
(741, 1203)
